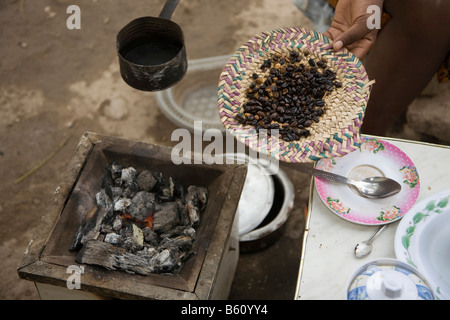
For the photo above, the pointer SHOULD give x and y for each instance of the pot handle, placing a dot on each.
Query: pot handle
(168, 9)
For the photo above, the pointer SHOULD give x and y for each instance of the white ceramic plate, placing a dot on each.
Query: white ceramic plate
(422, 239)
(375, 158)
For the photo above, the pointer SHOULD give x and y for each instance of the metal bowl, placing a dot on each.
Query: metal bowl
(270, 230)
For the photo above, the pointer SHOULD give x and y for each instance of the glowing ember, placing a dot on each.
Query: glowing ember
(146, 223)
(153, 218)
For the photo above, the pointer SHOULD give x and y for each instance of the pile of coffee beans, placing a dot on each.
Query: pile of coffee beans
(290, 97)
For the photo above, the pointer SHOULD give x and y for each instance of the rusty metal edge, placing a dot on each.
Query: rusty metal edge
(208, 275)
(57, 203)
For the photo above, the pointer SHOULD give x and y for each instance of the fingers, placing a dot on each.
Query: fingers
(360, 52)
(352, 35)
(332, 33)
(338, 45)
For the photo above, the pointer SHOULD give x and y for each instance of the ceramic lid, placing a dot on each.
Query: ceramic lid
(388, 279)
(257, 195)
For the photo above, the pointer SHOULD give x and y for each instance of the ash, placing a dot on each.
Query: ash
(145, 223)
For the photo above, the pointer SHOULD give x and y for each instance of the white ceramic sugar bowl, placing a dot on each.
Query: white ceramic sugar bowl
(388, 279)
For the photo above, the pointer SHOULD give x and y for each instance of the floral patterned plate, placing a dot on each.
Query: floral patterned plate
(375, 158)
(422, 240)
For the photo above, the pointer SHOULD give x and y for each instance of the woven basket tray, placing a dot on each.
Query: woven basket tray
(338, 131)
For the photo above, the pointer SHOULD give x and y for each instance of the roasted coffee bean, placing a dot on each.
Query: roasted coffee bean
(320, 103)
(289, 94)
(305, 132)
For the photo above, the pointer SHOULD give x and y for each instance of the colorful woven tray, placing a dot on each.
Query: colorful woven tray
(338, 131)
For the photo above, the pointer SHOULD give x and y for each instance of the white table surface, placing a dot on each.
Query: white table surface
(328, 261)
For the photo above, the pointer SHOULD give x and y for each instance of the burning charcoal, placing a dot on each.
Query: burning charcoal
(142, 206)
(196, 199)
(166, 259)
(177, 242)
(165, 194)
(90, 228)
(122, 204)
(112, 258)
(109, 223)
(165, 217)
(150, 236)
(116, 171)
(174, 232)
(191, 195)
(138, 236)
(129, 183)
(116, 193)
(117, 223)
(131, 190)
(103, 200)
(128, 175)
(194, 215)
(106, 228)
(112, 238)
(202, 194)
(160, 180)
(133, 238)
(176, 189)
(143, 222)
(183, 212)
(164, 188)
(190, 232)
(148, 252)
(191, 199)
(146, 181)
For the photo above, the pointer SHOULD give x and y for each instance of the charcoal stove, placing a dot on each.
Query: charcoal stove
(205, 275)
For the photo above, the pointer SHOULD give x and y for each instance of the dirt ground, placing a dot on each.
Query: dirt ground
(57, 83)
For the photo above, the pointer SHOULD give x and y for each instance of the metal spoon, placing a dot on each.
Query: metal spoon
(364, 248)
(374, 187)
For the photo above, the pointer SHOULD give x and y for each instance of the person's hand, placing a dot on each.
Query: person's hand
(349, 27)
